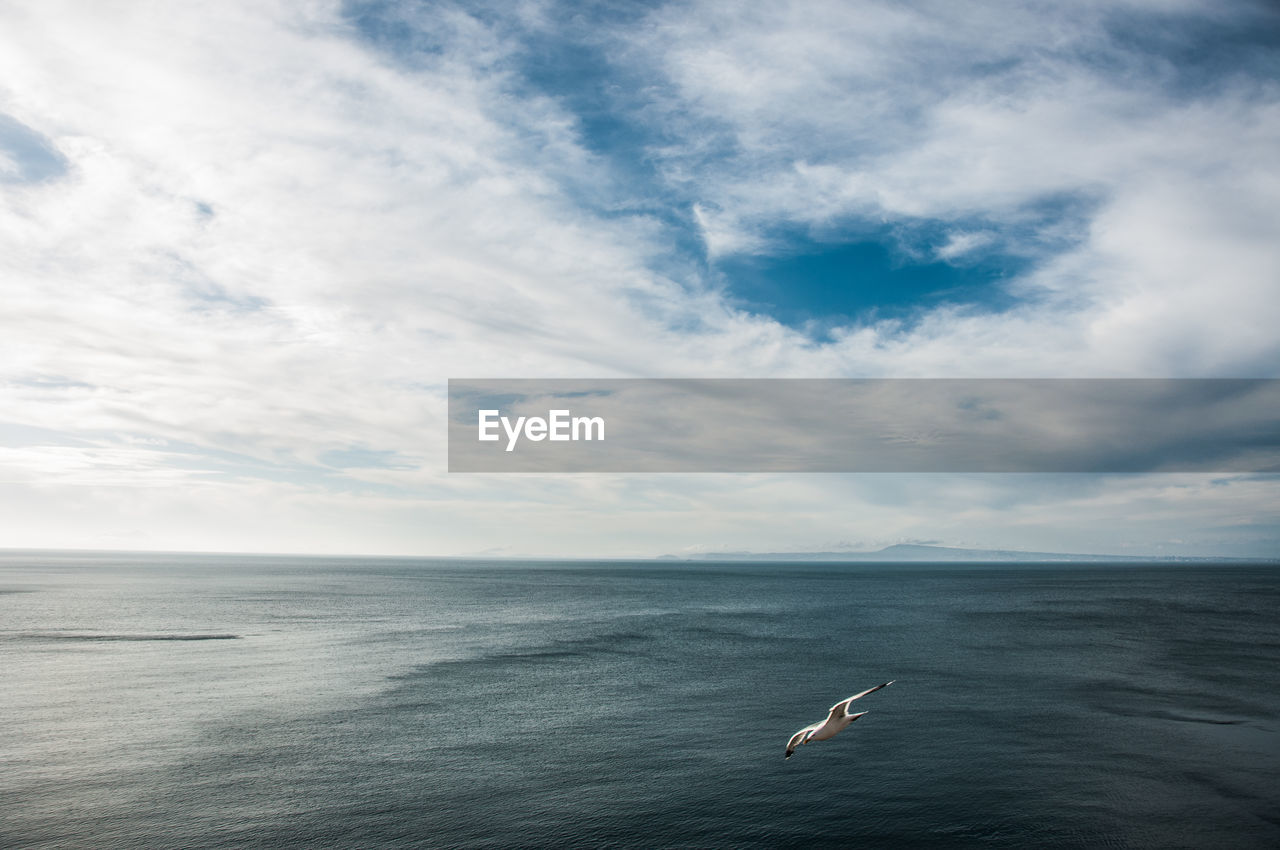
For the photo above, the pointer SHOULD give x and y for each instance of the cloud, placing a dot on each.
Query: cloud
(275, 230)
(1089, 137)
(960, 243)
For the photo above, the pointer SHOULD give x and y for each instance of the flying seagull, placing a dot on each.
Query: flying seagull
(837, 719)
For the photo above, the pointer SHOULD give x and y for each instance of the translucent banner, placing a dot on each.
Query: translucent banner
(855, 425)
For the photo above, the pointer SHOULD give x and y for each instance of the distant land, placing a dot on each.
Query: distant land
(945, 554)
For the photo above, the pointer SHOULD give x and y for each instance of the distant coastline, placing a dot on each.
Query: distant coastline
(921, 553)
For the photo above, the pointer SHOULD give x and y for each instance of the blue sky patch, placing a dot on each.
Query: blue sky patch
(33, 156)
(862, 281)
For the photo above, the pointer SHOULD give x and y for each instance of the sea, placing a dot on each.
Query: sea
(220, 701)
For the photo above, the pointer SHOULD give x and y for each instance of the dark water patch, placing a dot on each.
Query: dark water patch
(538, 655)
(1175, 704)
(614, 645)
(1074, 616)
(1226, 790)
(750, 614)
(724, 633)
(1187, 718)
(108, 636)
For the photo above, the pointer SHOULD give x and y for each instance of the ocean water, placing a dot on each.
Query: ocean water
(251, 702)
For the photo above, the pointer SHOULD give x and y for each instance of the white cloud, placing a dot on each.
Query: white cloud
(960, 243)
(962, 111)
(274, 241)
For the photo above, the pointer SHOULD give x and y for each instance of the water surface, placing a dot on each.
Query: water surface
(232, 701)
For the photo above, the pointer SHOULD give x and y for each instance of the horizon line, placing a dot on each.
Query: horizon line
(829, 557)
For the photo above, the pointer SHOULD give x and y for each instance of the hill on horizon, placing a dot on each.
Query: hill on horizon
(920, 552)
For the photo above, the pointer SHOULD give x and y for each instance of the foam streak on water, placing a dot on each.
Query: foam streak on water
(227, 702)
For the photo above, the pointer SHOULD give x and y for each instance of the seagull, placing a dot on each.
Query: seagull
(837, 719)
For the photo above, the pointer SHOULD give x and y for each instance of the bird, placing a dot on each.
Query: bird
(837, 719)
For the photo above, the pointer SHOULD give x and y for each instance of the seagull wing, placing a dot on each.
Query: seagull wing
(841, 708)
(796, 740)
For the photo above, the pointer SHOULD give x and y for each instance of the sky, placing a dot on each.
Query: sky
(244, 245)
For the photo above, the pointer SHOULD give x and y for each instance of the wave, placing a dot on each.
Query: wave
(1159, 714)
(117, 636)
(621, 644)
(1179, 706)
